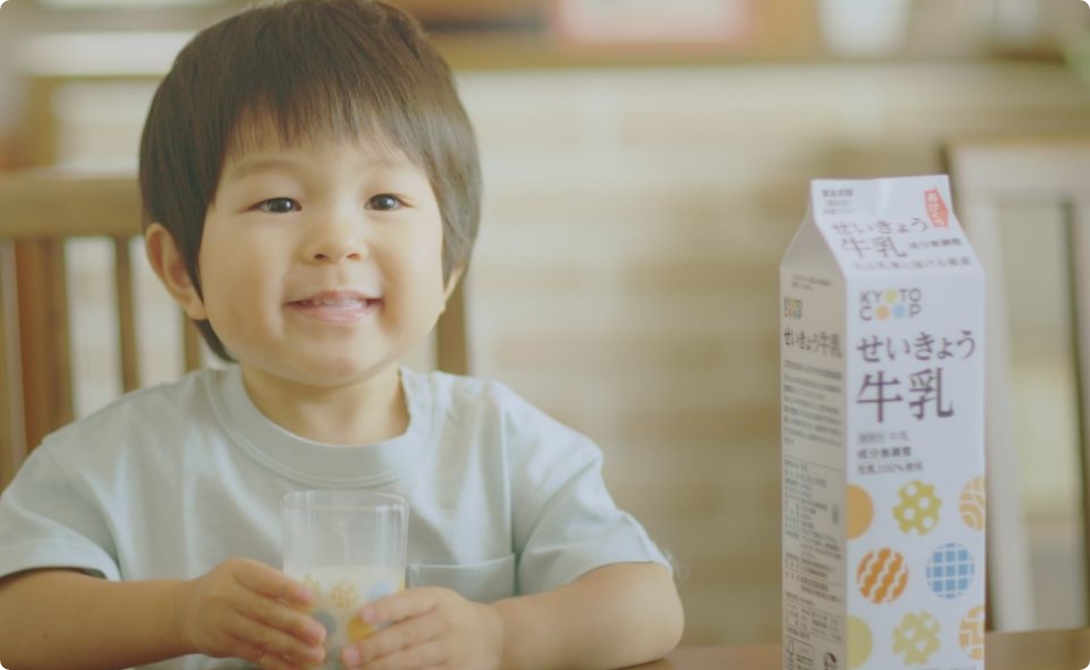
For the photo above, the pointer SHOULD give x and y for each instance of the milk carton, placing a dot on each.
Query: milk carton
(882, 354)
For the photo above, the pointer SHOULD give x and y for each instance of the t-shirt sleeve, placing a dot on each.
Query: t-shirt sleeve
(566, 522)
(46, 521)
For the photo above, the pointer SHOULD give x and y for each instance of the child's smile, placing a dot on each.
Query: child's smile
(338, 305)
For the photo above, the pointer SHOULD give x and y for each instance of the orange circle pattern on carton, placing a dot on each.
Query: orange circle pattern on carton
(971, 505)
(860, 511)
(971, 633)
(882, 576)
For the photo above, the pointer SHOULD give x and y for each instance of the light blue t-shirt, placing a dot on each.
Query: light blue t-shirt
(168, 482)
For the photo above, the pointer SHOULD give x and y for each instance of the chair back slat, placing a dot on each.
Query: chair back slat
(48, 204)
(12, 436)
(41, 284)
(126, 317)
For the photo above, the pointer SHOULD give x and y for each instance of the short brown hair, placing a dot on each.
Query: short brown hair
(313, 69)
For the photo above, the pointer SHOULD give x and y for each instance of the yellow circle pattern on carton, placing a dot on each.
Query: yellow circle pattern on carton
(971, 633)
(860, 642)
(972, 504)
(860, 511)
(918, 509)
(882, 576)
(916, 639)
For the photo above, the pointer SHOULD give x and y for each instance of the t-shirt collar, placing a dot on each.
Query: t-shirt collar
(318, 464)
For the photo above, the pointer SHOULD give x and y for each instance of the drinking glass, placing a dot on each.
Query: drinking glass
(347, 546)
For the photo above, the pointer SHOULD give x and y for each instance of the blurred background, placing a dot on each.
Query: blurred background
(646, 164)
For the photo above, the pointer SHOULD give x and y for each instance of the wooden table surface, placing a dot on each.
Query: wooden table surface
(1038, 650)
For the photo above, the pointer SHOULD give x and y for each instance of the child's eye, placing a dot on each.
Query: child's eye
(279, 205)
(385, 202)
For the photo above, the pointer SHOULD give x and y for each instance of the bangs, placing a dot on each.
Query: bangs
(344, 85)
(263, 128)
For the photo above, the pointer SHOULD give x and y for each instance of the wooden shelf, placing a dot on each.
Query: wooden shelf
(512, 51)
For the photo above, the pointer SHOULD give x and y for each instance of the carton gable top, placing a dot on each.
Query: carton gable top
(890, 226)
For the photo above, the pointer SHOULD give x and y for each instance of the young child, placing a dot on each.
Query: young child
(312, 191)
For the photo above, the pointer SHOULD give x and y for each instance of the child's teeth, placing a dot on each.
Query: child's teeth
(335, 303)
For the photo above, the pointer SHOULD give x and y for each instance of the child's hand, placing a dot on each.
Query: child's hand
(428, 628)
(248, 610)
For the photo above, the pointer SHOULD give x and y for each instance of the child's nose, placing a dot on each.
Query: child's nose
(335, 242)
(336, 254)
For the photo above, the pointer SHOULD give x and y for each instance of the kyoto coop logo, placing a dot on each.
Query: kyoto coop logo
(890, 303)
(792, 307)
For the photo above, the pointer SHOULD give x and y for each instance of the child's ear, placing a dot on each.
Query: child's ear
(452, 283)
(168, 263)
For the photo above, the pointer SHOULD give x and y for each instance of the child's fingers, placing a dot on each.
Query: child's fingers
(273, 583)
(399, 606)
(276, 615)
(407, 634)
(261, 657)
(275, 644)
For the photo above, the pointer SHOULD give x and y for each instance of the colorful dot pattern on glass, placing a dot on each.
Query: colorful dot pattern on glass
(358, 629)
(950, 570)
(345, 594)
(341, 592)
(381, 590)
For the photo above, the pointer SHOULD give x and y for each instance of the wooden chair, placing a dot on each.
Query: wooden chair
(41, 210)
(986, 176)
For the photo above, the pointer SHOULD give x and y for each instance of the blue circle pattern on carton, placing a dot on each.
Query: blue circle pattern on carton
(950, 570)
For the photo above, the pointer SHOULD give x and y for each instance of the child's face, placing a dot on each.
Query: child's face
(322, 265)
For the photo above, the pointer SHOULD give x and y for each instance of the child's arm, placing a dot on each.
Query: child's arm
(65, 620)
(615, 616)
(612, 617)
